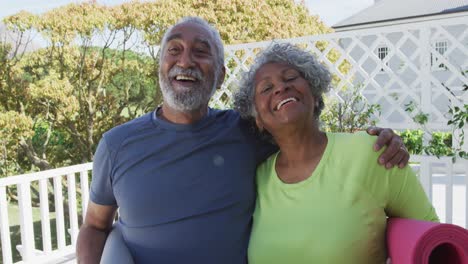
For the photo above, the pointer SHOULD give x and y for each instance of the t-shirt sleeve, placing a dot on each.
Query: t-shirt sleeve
(263, 150)
(406, 197)
(101, 184)
(262, 147)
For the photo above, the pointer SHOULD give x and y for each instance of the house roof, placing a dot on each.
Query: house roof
(388, 10)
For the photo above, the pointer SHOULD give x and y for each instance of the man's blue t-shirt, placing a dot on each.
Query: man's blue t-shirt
(185, 193)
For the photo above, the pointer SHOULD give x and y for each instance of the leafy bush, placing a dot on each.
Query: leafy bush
(440, 143)
(413, 140)
(458, 121)
(350, 114)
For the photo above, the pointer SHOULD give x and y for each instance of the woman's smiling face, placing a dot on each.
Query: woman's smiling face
(282, 96)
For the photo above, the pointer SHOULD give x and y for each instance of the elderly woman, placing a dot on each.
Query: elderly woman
(322, 198)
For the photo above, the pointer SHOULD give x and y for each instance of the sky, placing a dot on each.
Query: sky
(333, 11)
(330, 11)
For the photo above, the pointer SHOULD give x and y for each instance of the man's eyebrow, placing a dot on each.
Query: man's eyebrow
(204, 42)
(174, 36)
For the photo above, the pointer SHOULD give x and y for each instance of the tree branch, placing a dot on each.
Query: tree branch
(26, 146)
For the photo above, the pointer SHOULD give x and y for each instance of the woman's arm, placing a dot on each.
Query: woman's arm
(407, 198)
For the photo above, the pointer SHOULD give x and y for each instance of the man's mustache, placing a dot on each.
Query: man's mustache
(193, 72)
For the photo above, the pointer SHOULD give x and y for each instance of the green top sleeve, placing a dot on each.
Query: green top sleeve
(406, 197)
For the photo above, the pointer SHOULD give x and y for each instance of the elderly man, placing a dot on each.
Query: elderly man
(183, 175)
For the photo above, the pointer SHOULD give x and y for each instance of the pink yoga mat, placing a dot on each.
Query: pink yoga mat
(419, 242)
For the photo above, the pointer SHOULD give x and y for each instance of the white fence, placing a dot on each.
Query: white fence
(63, 184)
(446, 185)
(445, 182)
(423, 63)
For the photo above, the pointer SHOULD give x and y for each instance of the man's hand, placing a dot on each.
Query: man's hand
(396, 152)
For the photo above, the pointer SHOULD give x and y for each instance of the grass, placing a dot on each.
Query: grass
(15, 231)
(14, 216)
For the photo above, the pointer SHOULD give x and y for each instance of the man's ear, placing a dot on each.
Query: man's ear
(222, 75)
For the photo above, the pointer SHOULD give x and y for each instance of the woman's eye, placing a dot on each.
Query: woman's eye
(266, 88)
(291, 78)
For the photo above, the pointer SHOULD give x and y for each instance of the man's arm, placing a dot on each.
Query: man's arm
(396, 153)
(93, 233)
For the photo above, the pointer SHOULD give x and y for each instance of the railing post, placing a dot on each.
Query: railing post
(27, 247)
(59, 218)
(84, 192)
(45, 218)
(72, 207)
(449, 193)
(5, 228)
(425, 177)
(465, 163)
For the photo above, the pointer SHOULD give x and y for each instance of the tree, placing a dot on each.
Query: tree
(99, 68)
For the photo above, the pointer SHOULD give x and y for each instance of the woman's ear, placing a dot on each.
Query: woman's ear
(259, 124)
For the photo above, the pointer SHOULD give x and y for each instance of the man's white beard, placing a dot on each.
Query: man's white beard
(190, 98)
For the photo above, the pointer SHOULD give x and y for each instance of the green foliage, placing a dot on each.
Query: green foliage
(440, 143)
(349, 115)
(458, 121)
(418, 116)
(413, 140)
(14, 127)
(48, 141)
(459, 116)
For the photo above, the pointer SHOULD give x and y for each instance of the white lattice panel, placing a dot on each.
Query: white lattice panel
(413, 70)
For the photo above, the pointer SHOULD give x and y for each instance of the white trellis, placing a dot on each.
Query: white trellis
(406, 74)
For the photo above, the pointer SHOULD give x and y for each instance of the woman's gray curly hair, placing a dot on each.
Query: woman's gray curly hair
(308, 66)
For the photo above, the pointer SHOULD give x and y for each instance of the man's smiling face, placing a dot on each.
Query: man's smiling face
(187, 73)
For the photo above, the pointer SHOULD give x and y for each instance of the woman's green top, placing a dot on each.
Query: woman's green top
(338, 214)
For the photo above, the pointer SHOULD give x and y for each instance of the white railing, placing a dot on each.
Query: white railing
(44, 183)
(446, 184)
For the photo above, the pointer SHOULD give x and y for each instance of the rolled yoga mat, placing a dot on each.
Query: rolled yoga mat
(412, 241)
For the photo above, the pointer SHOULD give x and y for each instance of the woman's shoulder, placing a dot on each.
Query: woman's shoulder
(356, 162)
(266, 169)
(354, 150)
(354, 142)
